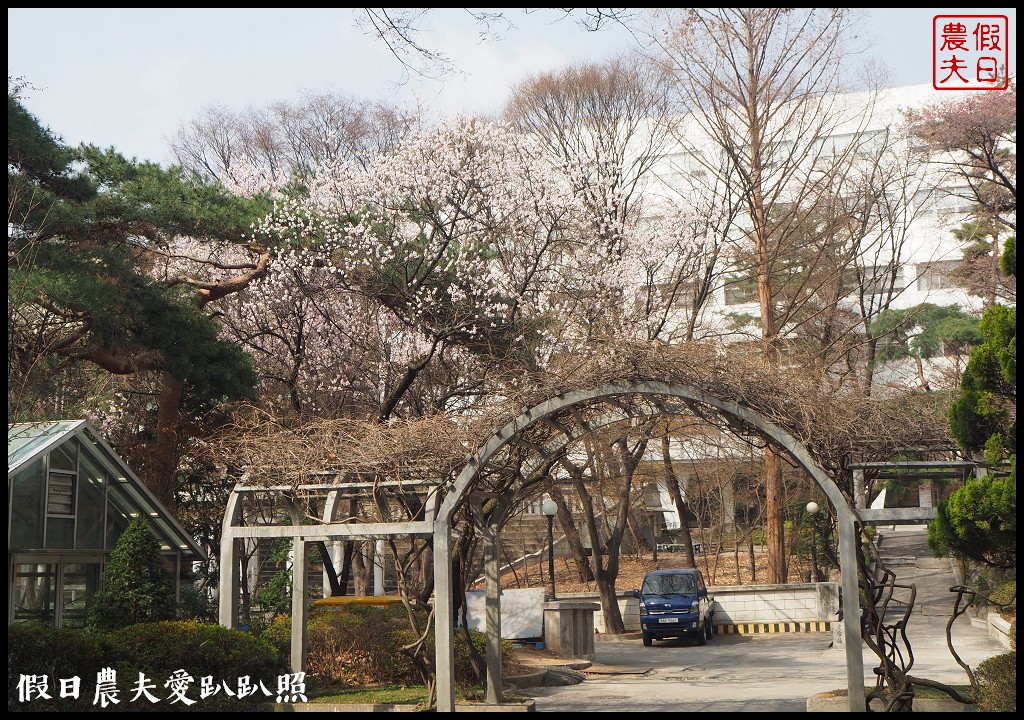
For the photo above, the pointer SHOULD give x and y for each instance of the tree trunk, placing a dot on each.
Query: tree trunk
(166, 450)
(572, 537)
(332, 577)
(362, 568)
(750, 549)
(774, 517)
(675, 491)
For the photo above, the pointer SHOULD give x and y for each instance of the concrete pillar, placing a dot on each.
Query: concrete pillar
(444, 609)
(569, 628)
(860, 491)
(334, 549)
(846, 521)
(298, 657)
(492, 615)
(227, 600)
(378, 568)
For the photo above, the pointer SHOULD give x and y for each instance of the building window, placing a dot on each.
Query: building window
(937, 275)
(60, 493)
(55, 592)
(35, 593)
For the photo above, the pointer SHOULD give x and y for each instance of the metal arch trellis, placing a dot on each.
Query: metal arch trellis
(847, 517)
(540, 431)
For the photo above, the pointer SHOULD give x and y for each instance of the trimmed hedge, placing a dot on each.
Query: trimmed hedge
(157, 650)
(43, 650)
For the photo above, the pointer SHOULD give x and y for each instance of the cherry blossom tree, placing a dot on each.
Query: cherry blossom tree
(972, 139)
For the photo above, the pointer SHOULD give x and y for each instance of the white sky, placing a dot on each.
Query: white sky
(128, 78)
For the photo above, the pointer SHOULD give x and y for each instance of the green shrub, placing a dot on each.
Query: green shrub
(359, 645)
(56, 653)
(161, 648)
(1005, 598)
(194, 604)
(997, 679)
(278, 634)
(136, 586)
(157, 650)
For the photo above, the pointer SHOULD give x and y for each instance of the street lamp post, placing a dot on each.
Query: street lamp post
(812, 510)
(548, 507)
(652, 503)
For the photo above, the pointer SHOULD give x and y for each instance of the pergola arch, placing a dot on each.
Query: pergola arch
(552, 412)
(543, 411)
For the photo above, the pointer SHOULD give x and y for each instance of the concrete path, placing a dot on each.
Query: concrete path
(772, 673)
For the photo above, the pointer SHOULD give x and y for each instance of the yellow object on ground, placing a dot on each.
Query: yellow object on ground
(342, 600)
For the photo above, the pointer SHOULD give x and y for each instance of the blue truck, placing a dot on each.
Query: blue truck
(675, 604)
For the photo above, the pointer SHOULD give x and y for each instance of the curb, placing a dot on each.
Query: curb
(513, 704)
(824, 626)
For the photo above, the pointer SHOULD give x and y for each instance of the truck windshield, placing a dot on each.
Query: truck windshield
(669, 585)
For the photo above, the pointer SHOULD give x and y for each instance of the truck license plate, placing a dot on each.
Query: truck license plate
(668, 620)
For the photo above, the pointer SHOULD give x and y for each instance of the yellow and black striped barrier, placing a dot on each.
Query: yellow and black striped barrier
(779, 627)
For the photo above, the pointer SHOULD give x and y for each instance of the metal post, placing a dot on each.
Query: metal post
(551, 558)
(654, 539)
(814, 553)
(812, 510)
(548, 508)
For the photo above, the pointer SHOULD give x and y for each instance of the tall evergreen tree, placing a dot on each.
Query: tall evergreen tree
(111, 264)
(979, 521)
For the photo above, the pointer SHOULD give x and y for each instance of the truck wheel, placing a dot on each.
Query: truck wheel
(709, 629)
(702, 637)
(647, 640)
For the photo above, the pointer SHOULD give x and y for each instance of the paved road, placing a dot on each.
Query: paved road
(771, 673)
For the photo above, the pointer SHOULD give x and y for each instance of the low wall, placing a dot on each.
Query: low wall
(803, 606)
(999, 629)
(522, 614)
(738, 609)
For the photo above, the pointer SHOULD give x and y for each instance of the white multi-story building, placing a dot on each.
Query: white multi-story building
(906, 254)
(903, 253)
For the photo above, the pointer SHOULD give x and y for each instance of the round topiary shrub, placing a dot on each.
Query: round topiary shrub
(997, 679)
